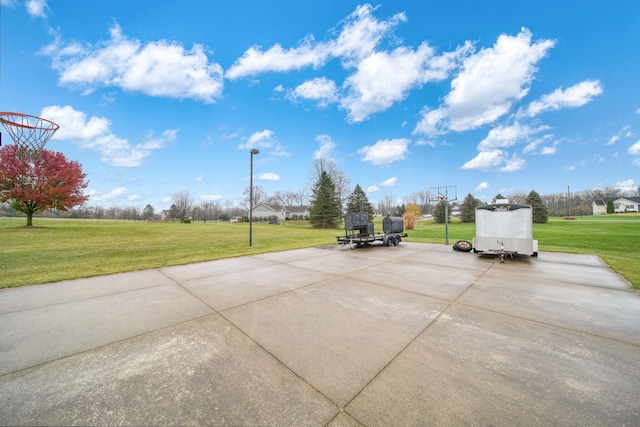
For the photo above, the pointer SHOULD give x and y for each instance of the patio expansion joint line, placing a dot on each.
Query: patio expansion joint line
(221, 314)
(435, 319)
(277, 359)
(83, 298)
(552, 325)
(24, 370)
(181, 286)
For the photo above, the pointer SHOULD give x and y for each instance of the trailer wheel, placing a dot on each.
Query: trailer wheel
(462, 246)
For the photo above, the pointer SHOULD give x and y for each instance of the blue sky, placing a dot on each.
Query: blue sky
(492, 97)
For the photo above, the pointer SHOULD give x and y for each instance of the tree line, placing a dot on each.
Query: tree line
(50, 185)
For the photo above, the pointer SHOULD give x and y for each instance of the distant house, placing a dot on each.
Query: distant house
(620, 205)
(264, 212)
(165, 215)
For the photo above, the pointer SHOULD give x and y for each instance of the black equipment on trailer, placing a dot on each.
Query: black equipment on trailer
(359, 231)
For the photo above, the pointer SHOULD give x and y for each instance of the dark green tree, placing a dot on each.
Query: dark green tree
(359, 197)
(325, 210)
(173, 213)
(610, 207)
(439, 215)
(540, 215)
(399, 210)
(468, 208)
(148, 212)
(498, 196)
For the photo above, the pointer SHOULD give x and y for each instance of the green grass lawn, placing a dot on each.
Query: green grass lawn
(56, 250)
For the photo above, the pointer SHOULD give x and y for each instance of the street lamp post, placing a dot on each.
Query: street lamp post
(253, 151)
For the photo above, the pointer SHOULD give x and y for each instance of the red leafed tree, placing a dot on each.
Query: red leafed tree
(35, 184)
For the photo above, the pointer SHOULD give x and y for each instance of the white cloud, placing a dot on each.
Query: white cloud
(256, 61)
(163, 68)
(269, 176)
(211, 197)
(266, 140)
(421, 142)
(385, 151)
(378, 78)
(359, 36)
(487, 86)
(628, 186)
(326, 149)
(485, 160)
(373, 189)
(36, 8)
(133, 197)
(200, 178)
(635, 149)
(482, 186)
(513, 164)
(391, 182)
(548, 150)
(115, 194)
(322, 90)
(622, 133)
(384, 78)
(573, 97)
(95, 134)
(493, 151)
(507, 136)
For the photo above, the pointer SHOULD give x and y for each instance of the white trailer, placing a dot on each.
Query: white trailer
(505, 228)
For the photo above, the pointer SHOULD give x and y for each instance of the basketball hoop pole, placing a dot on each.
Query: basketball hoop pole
(445, 194)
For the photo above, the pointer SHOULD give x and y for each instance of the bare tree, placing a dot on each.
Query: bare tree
(301, 197)
(517, 197)
(288, 198)
(386, 204)
(113, 212)
(259, 195)
(183, 202)
(228, 206)
(423, 198)
(209, 210)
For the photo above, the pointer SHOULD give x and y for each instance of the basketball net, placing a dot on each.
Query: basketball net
(29, 133)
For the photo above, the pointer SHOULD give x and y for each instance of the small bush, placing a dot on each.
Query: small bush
(409, 220)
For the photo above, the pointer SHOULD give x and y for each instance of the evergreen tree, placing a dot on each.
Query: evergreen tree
(439, 215)
(498, 197)
(325, 211)
(468, 208)
(540, 215)
(610, 208)
(148, 212)
(357, 198)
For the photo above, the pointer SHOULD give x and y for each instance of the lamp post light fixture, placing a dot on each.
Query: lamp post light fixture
(253, 151)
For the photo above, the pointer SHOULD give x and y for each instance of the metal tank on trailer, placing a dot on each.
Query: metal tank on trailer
(359, 231)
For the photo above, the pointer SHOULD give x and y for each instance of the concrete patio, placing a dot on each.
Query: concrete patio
(415, 334)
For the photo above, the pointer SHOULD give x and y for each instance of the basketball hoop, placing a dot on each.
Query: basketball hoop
(29, 133)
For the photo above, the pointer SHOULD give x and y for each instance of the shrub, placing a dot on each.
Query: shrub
(409, 220)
